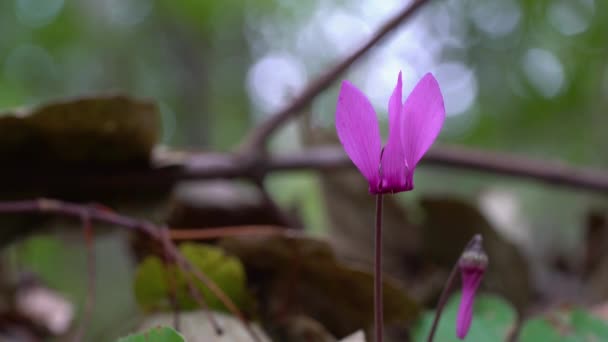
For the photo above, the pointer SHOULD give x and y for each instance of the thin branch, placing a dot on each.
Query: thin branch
(333, 158)
(206, 166)
(467, 159)
(196, 166)
(178, 234)
(101, 214)
(257, 140)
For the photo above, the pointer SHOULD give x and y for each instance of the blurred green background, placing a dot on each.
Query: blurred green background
(528, 77)
(525, 76)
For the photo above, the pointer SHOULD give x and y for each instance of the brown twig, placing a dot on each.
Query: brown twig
(97, 213)
(178, 234)
(257, 140)
(556, 173)
(214, 165)
(333, 158)
(205, 166)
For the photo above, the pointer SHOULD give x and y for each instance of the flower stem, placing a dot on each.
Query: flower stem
(378, 319)
(474, 243)
(442, 300)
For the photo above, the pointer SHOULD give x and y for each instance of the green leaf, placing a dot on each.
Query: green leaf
(153, 279)
(564, 325)
(493, 319)
(161, 334)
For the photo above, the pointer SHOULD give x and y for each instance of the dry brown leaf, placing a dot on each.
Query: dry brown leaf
(300, 275)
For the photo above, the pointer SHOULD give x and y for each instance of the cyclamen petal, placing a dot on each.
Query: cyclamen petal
(471, 278)
(413, 127)
(359, 133)
(472, 264)
(394, 169)
(422, 117)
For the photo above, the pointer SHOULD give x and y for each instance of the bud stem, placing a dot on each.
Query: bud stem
(442, 300)
(473, 244)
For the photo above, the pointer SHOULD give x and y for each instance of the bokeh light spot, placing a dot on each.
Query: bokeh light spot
(381, 78)
(274, 79)
(36, 13)
(544, 71)
(458, 85)
(496, 18)
(344, 31)
(571, 17)
(31, 66)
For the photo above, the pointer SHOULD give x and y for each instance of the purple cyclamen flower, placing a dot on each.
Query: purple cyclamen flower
(413, 127)
(472, 264)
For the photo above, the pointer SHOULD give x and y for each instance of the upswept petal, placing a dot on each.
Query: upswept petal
(359, 132)
(422, 118)
(393, 162)
(394, 109)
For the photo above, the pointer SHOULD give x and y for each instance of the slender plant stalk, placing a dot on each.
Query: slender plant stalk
(378, 319)
(442, 300)
(473, 244)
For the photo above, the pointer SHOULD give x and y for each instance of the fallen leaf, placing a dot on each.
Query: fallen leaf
(359, 336)
(300, 275)
(88, 129)
(195, 327)
(351, 211)
(298, 328)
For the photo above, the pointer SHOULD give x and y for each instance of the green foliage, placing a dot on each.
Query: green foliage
(564, 326)
(153, 280)
(493, 320)
(59, 262)
(161, 334)
(41, 255)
